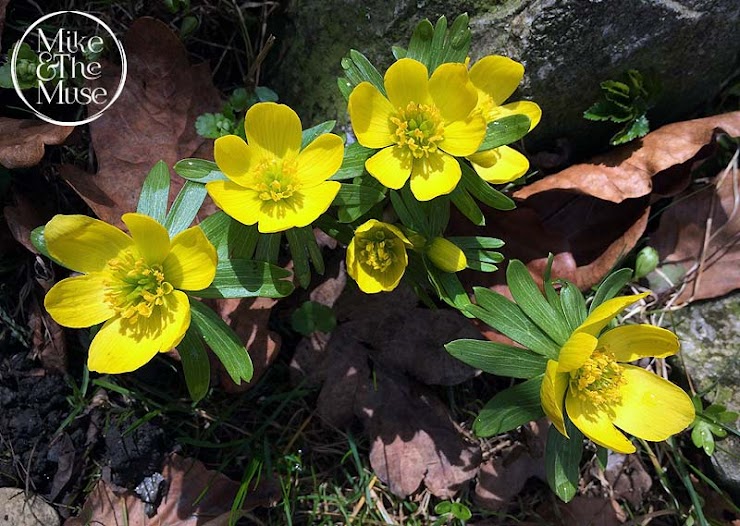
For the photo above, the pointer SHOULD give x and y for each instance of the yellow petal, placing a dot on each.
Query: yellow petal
(122, 347)
(499, 165)
(437, 175)
(632, 342)
(452, 91)
(320, 160)
(370, 114)
(301, 209)
(234, 158)
(596, 425)
(464, 137)
(79, 301)
(522, 107)
(576, 351)
(497, 76)
(151, 238)
(391, 166)
(372, 223)
(82, 243)
(606, 312)
(191, 263)
(407, 81)
(446, 255)
(651, 407)
(243, 204)
(273, 129)
(552, 395)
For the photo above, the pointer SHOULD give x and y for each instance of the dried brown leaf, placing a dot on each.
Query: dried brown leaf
(627, 172)
(628, 478)
(583, 511)
(187, 479)
(27, 212)
(22, 141)
(700, 231)
(153, 119)
(49, 344)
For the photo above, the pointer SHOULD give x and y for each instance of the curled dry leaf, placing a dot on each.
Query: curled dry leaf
(628, 478)
(22, 141)
(154, 118)
(194, 496)
(700, 232)
(627, 172)
(49, 344)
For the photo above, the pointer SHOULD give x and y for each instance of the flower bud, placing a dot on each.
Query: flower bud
(446, 255)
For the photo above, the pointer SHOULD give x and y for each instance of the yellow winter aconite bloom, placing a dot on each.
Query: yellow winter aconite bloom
(421, 125)
(272, 182)
(132, 283)
(601, 390)
(496, 78)
(376, 256)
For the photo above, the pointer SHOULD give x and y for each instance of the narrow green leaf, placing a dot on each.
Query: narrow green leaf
(195, 364)
(308, 239)
(345, 87)
(438, 41)
(311, 134)
(529, 298)
(562, 461)
(242, 278)
(574, 305)
(485, 193)
(467, 206)
(222, 341)
(335, 229)
(510, 409)
(357, 194)
(449, 288)
(506, 317)
(498, 358)
(185, 208)
(268, 247)
(438, 214)
(421, 42)
(154, 192)
(199, 171)
(353, 164)
(398, 52)
(241, 239)
(300, 258)
(367, 70)
(457, 43)
(216, 228)
(610, 287)
(477, 242)
(505, 130)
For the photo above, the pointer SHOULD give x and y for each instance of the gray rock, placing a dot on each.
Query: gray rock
(710, 351)
(19, 509)
(567, 46)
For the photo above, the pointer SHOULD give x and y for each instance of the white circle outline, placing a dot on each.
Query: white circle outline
(14, 58)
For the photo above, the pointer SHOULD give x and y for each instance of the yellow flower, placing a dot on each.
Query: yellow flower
(446, 255)
(602, 391)
(495, 78)
(132, 283)
(420, 126)
(376, 256)
(272, 182)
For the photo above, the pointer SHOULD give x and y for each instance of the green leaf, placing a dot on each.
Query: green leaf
(467, 206)
(510, 409)
(241, 278)
(398, 52)
(265, 94)
(610, 287)
(508, 318)
(477, 242)
(155, 192)
(633, 130)
(222, 341)
(213, 125)
(421, 43)
(357, 194)
(241, 240)
(333, 228)
(367, 70)
(505, 130)
(353, 164)
(307, 237)
(457, 42)
(38, 241)
(574, 305)
(485, 193)
(702, 437)
(605, 110)
(239, 99)
(647, 260)
(185, 208)
(498, 358)
(268, 247)
(562, 461)
(216, 229)
(311, 317)
(199, 171)
(449, 288)
(300, 258)
(195, 364)
(315, 132)
(529, 298)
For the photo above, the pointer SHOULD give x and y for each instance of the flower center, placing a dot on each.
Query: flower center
(419, 128)
(599, 380)
(135, 288)
(376, 249)
(276, 180)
